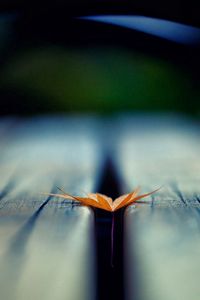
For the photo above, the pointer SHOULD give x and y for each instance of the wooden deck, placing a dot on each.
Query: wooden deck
(162, 236)
(48, 246)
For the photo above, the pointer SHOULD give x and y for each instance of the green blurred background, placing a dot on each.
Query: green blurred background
(51, 62)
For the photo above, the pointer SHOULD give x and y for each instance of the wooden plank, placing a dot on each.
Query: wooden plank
(47, 244)
(162, 237)
(48, 257)
(160, 151)
(162, 253)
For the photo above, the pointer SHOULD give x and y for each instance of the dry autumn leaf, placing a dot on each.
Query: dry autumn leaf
(104, 202)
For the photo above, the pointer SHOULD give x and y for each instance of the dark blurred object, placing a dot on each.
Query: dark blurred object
(53, 61)
(173, 10)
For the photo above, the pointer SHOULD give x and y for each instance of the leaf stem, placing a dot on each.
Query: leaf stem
(112, 241)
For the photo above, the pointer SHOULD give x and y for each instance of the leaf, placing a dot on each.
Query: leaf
(104, 202)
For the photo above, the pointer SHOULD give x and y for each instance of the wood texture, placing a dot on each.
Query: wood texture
(162, 235)
(47, 244)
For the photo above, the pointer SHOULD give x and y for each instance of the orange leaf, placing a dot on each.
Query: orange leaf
(103, 202)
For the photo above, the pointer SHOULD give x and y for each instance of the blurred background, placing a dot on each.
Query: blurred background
(99, 57)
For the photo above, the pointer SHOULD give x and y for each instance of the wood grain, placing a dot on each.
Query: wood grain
(162, 235)
(47, 244)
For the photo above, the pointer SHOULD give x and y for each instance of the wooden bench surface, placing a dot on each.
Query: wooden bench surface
(162, 240)
(48, 245)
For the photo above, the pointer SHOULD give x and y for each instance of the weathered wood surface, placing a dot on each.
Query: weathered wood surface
(162, 237)
(47, 244)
